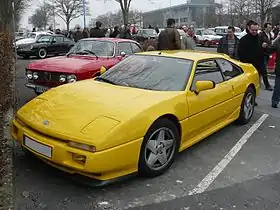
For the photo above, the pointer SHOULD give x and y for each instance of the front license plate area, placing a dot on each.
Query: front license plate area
(41, 89)
(40, 148)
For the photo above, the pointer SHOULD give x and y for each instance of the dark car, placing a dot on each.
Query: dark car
(46, 45)
(144, 34)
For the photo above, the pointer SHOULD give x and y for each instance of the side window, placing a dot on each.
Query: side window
(65, 39)
(207, 71)
(135, 48)
(198, 33)
(229, 70)
(125, 47)
(59, 38)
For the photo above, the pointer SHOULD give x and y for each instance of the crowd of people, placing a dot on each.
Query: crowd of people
(256, 48)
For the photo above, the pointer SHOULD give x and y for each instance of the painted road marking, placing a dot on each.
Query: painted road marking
(207, 181)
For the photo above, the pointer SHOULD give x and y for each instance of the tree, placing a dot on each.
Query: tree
(41, 17)
(69, 10)
(112, 19)
(263, 7)
(125, 6)
(6, 12)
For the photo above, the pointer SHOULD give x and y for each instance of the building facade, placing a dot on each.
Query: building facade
(199, 13)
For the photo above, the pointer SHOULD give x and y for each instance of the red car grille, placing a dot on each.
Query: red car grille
(48, 76)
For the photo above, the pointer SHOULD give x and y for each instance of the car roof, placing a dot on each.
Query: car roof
(110, 39)
(185, 54)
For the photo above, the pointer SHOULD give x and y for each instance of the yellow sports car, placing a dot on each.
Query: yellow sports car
(137, 115)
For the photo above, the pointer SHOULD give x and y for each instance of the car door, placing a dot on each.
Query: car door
(66, 45)
(53, 46)
(208, 108)
(233, 76)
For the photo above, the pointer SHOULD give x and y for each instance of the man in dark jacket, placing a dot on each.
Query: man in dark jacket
(276, 92)
(169, 39)
(229, 44)
(115, 33)
(251, 51)
(97, 31)
(266, 37)
(78, 34)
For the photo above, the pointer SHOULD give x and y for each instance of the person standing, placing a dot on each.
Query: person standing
(275, 48)
(276, 30)
(78, 35)
(97, 31)
(115, 32)
(266, 37)
(251, 50)
(125, 33)
(169, 39)
(229, 44)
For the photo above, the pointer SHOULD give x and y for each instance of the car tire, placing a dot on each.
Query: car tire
(164, 148)
(42, 53)
(207, 43)
(247, 107)
(37, 93)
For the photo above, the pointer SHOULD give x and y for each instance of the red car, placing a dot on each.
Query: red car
(82, 62)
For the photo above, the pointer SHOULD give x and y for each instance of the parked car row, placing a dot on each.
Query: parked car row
(83, 61)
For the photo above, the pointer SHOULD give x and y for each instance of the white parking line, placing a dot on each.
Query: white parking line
(206, 182)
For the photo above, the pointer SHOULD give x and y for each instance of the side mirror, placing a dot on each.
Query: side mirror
(204, 85)
(103, 69)
(123, 54)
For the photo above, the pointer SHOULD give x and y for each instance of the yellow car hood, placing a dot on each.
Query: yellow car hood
(88, 107)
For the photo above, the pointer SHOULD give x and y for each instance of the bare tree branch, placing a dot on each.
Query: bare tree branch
(69, 10)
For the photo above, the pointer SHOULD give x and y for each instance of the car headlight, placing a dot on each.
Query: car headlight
(29, 75)
(85, 147)
(71, 78)
(35, 75)
(62, 78)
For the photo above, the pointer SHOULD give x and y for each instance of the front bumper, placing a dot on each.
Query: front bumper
(101, 165)
(23, 52)
(37, 88)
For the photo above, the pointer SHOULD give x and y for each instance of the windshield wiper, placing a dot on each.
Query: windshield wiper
(90, 52)
(104, 80)
(84, 52)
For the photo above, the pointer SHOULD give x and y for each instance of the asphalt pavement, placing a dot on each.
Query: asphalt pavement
(236, 168)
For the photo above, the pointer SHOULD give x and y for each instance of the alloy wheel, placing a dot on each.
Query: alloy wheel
(249, 104)
(160, 148)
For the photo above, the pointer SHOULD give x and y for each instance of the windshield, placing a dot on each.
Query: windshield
(31, 35)
(150, 32)
(151, 73)
(99, 48)
(45, 39)
(209, 32)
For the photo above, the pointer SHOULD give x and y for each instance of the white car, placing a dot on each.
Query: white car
(206, 37)
(31, 37)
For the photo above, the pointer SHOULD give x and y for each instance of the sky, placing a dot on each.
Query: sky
(99, 7)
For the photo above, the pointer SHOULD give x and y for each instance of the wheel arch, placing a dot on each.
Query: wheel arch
(253, 87)
(173, 119)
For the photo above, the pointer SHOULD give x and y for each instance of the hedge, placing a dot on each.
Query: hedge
(6, 99)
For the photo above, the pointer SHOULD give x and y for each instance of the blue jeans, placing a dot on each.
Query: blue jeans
(276, 92)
